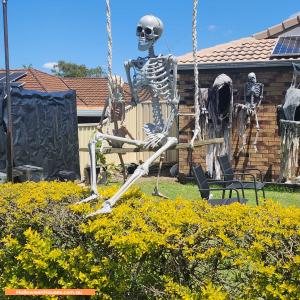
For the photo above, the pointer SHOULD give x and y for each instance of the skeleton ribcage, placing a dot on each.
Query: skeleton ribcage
(155, 76)
(253, 90)
(159, 77)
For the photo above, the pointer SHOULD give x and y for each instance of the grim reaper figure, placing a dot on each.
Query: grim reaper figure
(219, 106)
(288, 115)
(157, 75)
(253, 96)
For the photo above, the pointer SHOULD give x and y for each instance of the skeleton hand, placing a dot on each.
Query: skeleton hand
(155, 140)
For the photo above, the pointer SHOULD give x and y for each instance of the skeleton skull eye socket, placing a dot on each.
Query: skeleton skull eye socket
(139, 29)
(148, 30)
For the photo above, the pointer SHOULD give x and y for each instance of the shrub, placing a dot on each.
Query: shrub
(147, 248)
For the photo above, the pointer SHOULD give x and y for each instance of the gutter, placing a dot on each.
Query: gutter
(89, 113)
(239, 65)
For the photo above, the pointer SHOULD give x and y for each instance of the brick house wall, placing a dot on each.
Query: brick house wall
(276, 81)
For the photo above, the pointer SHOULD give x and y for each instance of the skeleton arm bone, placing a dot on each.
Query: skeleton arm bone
(261, 94)
(128, 65)
(100, 125)
(174, 101)
(102, 136)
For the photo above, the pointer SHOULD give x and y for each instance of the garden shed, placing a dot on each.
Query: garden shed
(237, 59)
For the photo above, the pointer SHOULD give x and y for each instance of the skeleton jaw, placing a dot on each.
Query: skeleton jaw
(145, 44)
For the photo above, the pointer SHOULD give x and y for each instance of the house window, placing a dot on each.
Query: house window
(287, 46)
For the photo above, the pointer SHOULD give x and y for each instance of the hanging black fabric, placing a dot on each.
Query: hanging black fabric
(44, 131)
(3, 143)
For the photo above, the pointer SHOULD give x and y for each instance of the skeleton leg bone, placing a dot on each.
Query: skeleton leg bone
(94, 193)
(156, 192)
(242, 115)
(140, 171)
(257, 132)
(92, 152)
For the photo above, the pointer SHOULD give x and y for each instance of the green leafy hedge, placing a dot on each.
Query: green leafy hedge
(147, 248)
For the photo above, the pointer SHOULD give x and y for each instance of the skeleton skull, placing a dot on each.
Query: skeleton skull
(149, 30)
(252, 77)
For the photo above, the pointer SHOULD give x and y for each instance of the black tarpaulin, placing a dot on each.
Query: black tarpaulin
(2, 131)
(44, 131)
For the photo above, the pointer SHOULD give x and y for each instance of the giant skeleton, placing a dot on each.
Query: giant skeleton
(253, 96)
(157, 74)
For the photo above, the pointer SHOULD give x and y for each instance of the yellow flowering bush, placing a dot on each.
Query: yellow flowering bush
(147, 248)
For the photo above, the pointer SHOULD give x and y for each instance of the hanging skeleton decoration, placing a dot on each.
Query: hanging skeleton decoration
(158, 75)
(114, 111)
(253, 96)
(219, 106)
(289, 118)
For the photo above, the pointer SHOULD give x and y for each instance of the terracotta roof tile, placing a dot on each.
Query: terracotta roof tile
(243, 50)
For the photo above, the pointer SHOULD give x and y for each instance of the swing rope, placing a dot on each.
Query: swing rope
(109, 62)
(111, 100)
(197, 131)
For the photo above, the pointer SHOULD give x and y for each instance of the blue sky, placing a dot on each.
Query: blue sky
(43, 31)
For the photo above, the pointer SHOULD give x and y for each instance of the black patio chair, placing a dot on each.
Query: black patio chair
(205, 189)
(230, 174)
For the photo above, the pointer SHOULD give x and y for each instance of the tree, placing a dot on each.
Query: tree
(67, 69)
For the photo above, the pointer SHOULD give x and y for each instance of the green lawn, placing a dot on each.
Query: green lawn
(173, 189)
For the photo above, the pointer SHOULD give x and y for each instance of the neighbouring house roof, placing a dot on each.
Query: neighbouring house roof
(254, 50)
(91, 93)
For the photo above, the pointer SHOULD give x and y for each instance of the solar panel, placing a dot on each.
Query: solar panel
(12, 84)
(287, 46)
(16, 75)
(12, 76)
(2, 76)
(17, 84)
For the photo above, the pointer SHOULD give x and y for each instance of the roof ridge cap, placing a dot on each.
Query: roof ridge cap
(32, 71)
(285, 24)
(102, 77)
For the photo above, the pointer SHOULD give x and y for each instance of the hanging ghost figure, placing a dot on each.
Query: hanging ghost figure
(157, 75)
(288, 116)
(219, 106)
(253, 96)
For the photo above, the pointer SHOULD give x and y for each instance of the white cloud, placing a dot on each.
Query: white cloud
(50, 65)
(294, 15)
(212, 27)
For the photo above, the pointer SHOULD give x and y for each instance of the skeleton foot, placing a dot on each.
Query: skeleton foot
(90, 198)
(157, 193)
(106, 209)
